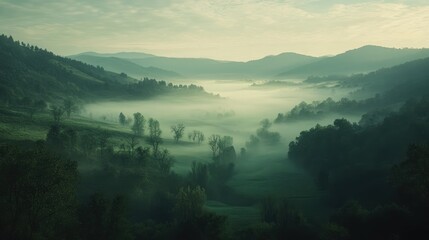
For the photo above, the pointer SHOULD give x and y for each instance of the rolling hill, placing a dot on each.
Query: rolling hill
(198, 67)
(122, 65)
(362, 60)
(28, 73)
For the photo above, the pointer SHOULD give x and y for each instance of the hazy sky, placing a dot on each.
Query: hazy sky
(222, 29)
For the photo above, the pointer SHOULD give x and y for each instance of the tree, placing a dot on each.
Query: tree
(196, 136)
(265, 135)
(57, 113)
(104, 219)
(164, 161)
(189, 203)
(214, 144)
(199, 174)
(154, 135)
(37, 194)
(178, 131)
(69, 106)
(122, 119)
(139, 122)
(35, 107)
(103, 141)
(88, 143)
(411, 178)
(224, 143)
(192, 221)
(132, 143)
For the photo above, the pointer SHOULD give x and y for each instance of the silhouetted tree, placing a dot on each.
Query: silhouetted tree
(199, 174)
(178, 131)
(214, 144)
(57, 113)
(122, 119)
(69, 106)
(192, 221)
(132, 142)
(154, 138)
(196, 136)
(139, 123)
(164, 161)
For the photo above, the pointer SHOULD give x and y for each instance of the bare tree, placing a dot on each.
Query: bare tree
(214, 144)
(178, 131)
(196, 136)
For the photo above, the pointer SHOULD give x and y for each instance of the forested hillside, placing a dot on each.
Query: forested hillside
(29, 73)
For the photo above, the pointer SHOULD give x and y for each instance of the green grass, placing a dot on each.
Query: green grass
(264, 174)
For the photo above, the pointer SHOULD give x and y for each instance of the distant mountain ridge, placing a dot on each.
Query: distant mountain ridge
(119, 65)
(282, 66)
(361, 60)
(205, 67)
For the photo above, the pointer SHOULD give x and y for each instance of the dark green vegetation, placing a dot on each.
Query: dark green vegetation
(380, 91)
(65, 175)
(29, 74)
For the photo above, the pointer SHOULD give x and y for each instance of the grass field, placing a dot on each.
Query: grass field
(259, 176)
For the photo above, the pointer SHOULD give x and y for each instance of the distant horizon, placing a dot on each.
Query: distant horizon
(233, 30)
(270, 55)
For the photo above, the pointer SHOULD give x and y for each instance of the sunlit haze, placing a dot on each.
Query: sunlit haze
(226, 30)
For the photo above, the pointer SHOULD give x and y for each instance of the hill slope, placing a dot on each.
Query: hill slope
(119, 65)
(30, 73)
(200, 67)
(361, 60)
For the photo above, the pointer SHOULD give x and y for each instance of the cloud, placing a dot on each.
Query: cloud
(235, 29)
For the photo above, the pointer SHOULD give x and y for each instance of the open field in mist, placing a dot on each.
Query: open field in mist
(236, 113)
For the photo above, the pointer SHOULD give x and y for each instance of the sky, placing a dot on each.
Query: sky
(221, 29)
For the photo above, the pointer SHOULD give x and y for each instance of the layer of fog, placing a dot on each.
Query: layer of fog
(237, 113)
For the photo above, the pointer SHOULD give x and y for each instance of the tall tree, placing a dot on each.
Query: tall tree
(214, 141)
(139, 123)
(122, 119)
(154, 135)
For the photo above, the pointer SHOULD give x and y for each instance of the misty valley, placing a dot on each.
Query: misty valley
(138, 146)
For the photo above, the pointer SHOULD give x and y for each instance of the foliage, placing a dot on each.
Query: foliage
(122, 119)
(35, 73)
(353, 161)
(192, 221)
(154, 138)
(263, 136)
(37, 194)
(139, 124)
(317, 109)
(411, 178)
(102, 219)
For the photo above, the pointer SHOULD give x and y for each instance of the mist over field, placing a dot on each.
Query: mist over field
(214, 120)
(237, 112)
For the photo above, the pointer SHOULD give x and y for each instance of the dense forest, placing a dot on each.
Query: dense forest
(69, 175)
